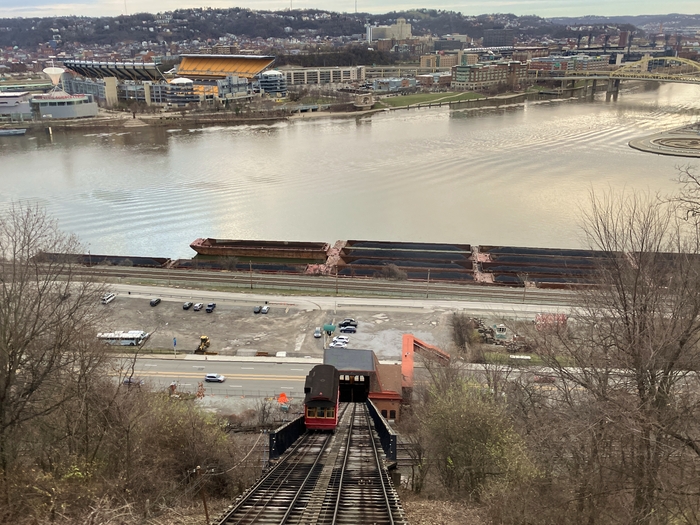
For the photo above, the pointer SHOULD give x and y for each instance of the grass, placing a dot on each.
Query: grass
(427, 98)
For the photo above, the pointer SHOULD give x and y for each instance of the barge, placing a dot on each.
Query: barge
(313, 252)
(12, 132)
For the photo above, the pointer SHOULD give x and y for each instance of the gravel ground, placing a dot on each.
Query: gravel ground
(236, 330)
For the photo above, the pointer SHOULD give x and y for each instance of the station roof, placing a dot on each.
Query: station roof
(349, 360)
(222, 66)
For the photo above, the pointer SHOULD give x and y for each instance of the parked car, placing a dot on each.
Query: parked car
(210, 307)
(133, 381)
(257, 309)
(214, 378)
(348, 330)
(341, 338)
(347, 322)
(187, 305)
(317, 332)
(265, 309)
(155, 302)
(197, 307)
(338, 344)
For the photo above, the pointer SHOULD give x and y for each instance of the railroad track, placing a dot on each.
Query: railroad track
(325, 480)
(242, 281)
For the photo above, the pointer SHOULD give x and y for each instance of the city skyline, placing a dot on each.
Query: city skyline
(543, 8)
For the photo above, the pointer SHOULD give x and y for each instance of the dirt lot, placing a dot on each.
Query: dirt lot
(236, 330)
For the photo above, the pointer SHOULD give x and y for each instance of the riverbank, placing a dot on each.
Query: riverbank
(679, 142)
(108, 120)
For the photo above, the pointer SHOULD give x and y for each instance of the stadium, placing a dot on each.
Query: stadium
(176, 81)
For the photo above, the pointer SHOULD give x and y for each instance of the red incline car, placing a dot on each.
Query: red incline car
(321, 398)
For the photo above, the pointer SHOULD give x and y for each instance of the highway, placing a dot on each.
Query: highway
(479, 305)
(244, 376)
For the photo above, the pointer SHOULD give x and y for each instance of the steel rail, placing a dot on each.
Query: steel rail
(348, 284)
(345, 462)
(380, 469)
(285, 467)
(303, 484)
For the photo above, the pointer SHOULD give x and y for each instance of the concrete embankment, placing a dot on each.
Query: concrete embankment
(679, 142)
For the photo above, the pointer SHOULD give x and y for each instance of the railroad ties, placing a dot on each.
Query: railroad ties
(325, 479)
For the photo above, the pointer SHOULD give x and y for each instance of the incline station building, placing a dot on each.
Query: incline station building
(196, 79)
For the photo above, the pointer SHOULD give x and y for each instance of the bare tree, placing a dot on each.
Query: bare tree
(469, 438)
(44, 314)
(392, 272)
(626, 408)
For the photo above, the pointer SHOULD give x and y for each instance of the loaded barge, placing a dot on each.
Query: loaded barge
(446, 262)
(313, 252)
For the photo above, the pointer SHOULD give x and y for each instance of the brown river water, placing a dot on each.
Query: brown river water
(517, 176)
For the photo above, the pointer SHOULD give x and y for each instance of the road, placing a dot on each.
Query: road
(250, 377)
(475, 307)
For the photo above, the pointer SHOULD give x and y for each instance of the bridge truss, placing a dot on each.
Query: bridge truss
(660, 69)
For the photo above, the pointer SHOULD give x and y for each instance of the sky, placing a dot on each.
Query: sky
(544, 8)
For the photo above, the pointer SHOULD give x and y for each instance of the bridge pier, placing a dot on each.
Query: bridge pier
(613, 89)
(593, 88)
(568, 87)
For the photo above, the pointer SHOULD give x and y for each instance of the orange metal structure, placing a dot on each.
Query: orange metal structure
(410, 346)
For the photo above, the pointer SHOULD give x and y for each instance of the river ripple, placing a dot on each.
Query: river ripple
(515, 176)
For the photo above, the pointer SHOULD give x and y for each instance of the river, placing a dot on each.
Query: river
(518, 176)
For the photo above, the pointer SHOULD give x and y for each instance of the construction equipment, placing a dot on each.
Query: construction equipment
(203, 345)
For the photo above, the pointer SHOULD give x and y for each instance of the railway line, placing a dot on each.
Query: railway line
(325, 479)
(329, 286)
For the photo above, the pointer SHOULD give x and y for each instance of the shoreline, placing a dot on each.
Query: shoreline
(114, 120)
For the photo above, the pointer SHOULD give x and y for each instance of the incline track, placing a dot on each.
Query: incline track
(325, 480)
(328, 285)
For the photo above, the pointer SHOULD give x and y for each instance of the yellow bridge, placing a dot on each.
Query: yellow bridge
(659, 69)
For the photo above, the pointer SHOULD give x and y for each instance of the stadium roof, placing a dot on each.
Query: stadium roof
(222, 66)
(120, 70)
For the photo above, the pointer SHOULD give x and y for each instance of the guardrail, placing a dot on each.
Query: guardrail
(387, 436)
(283, 437)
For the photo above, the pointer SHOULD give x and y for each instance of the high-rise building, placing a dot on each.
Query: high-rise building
(498, 37)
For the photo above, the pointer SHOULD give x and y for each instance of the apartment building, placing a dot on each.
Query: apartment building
(484, 76)
(322, 75)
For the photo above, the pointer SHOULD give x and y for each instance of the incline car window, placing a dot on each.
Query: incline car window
(310, 412)
(321, 412)
(330, 412)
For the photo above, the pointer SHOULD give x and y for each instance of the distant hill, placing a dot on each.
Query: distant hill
(671, 21)
(211, 24)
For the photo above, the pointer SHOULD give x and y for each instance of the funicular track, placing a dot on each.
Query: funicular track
(325, 479)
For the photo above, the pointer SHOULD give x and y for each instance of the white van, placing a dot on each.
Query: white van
(108, 298)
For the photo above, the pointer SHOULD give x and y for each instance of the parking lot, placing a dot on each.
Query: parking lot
(234, 329)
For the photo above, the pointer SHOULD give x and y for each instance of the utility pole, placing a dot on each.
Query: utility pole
(427, 286)
(201, 491)
(250, 265)
(336, 280)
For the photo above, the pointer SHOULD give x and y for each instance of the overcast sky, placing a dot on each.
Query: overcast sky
(545, 8)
